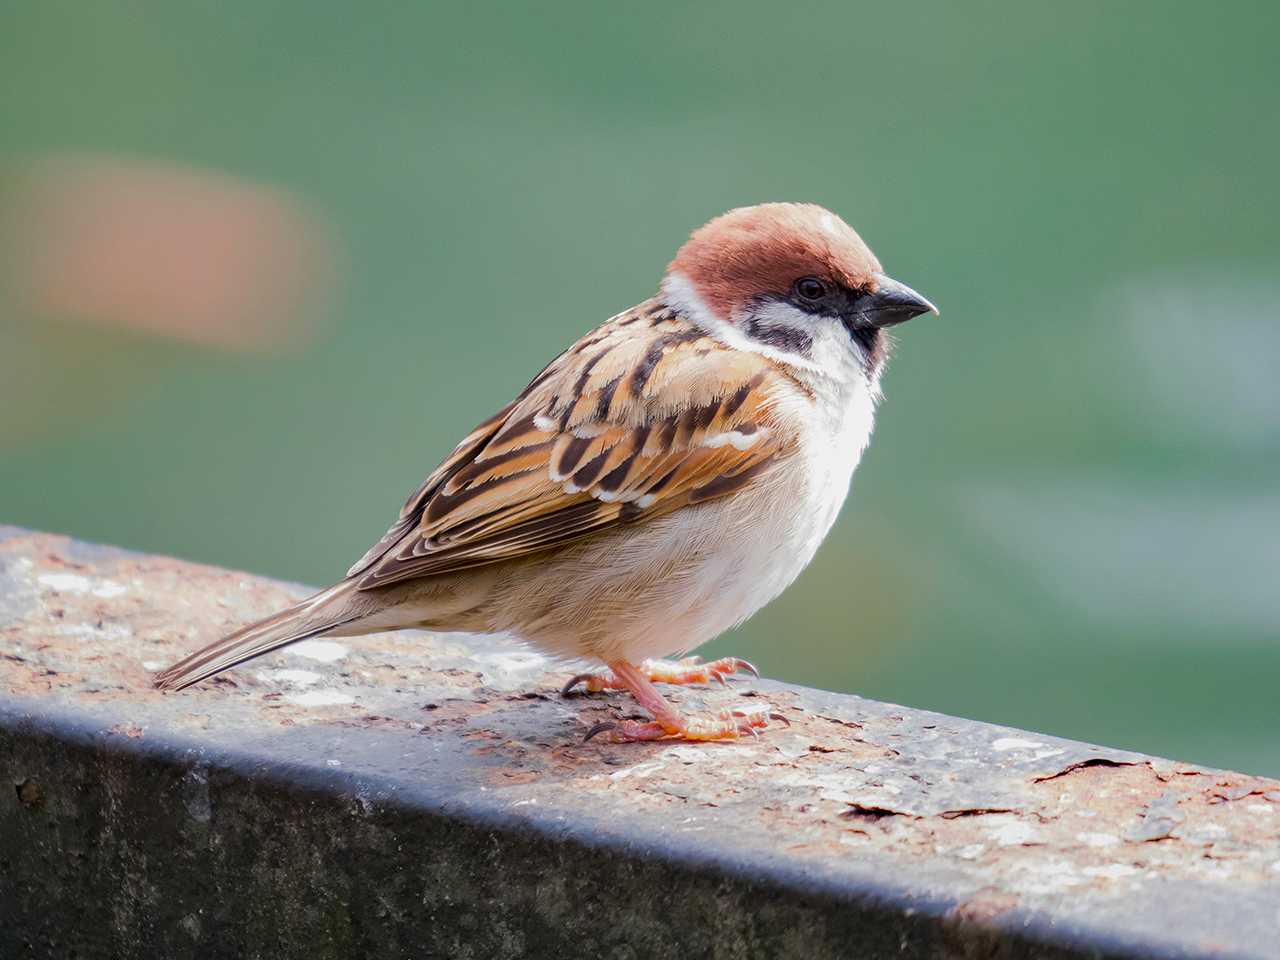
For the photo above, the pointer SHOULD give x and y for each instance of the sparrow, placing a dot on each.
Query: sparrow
(657, 483)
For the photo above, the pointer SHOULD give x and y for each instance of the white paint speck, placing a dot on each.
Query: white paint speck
(1261, 808)
(333, 763)
(91, 631)
(525, 803)
(151, 666)
(320, 698)
(1219, 870)
(971, 852)
(326, 651)
(70, 582)
(1098, 839)
(1051, 877)
(1208, 833)
(300, 678)
(509, 668)
(1015, 743)
(640, 769)
(1015, 833)
(1275, 867)
(686, 754)
(75, 583)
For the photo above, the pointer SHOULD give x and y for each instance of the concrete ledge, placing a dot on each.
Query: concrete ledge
(414, 796)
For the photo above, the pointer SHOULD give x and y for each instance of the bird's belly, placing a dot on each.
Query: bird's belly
(680, 580)
(759, 565)
(765, 536)
(670, 584)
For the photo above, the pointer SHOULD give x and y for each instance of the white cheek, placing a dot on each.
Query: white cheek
(682, 297)
(835, 368)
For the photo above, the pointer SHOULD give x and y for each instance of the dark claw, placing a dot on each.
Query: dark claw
(580, 678)
(772, 716)
(746, 665)
(600, 728)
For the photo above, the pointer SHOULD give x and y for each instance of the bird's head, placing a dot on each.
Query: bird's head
(791, 280)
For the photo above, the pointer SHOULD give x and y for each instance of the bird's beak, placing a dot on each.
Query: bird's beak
(892, 303)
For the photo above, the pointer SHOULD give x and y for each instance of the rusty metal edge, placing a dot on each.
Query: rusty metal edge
(1018, 931)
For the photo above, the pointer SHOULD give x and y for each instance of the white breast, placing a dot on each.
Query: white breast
(763, 539)
(834, 447)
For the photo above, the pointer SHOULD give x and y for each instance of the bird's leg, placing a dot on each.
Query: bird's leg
(669, 722)
(688, 670)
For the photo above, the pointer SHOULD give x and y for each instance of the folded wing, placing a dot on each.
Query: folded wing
(643, 416)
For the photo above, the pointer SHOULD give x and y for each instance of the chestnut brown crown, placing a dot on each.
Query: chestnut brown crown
(786, 276)
(761, 250)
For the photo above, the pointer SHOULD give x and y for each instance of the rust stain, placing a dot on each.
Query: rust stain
(974, 812)
(1084, 765)
(847, 775)
(29, 794)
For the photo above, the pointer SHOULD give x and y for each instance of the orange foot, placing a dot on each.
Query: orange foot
(669, 722)
(728, 725)
(688, 670)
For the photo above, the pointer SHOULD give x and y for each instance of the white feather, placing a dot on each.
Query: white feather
(739, 441)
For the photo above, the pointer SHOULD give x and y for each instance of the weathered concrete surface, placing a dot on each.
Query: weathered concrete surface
(404, 795)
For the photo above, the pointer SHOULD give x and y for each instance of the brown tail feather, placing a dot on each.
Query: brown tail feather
(309, 618)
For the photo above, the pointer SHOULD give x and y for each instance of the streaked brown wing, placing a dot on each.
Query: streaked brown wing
(639, 418)
(464, 453)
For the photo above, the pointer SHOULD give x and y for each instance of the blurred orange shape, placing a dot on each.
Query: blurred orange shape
(151, 247)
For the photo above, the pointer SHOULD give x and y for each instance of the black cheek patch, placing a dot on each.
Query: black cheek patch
(873, 342)
(788, 339)
(865, 337)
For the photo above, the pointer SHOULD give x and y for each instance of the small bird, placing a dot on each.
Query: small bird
(656, 484)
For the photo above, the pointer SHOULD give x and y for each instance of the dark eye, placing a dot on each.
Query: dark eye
(811, 289)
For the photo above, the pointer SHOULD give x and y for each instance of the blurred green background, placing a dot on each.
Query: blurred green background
(1069, 519)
